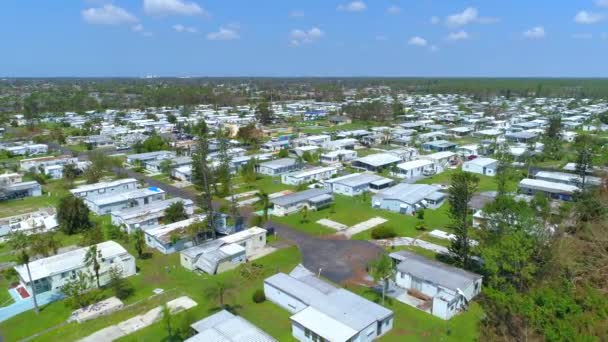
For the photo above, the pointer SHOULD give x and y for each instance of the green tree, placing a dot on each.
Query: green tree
(462, 188)
(202, 176)
(248, 172)
(175, 212)
(584, 145)
(263, 113)
(166, 312)
(382, 271)
(119, 285)
(265, 201)
(92, 259)
(75, 289)
(73, 215)
(139, 242)
(165, 167)
(20, 244)
(283, 153)
(219, 290)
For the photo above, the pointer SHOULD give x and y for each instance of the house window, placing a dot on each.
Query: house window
(306, 332)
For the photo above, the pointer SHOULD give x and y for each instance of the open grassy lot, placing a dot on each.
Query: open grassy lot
(353, 210)
(52, 192)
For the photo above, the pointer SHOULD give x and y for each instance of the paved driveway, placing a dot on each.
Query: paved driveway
(339, 260)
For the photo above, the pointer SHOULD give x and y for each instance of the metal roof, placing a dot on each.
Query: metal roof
(226, 327)
(356, 179)
(103, 185)
(278, 163)
(379, 159)
(124, 196)
(434, 271)
(299, 196)
(553, 187)
(408, 193)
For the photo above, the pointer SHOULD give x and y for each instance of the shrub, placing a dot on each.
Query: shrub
(259, 296)
(383, 232)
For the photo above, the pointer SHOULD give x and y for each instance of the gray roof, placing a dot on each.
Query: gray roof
(379, 159)
(337, 303)
(434, 271)
(299, 196)
(409, 193)
(226, 327)
(278, 163)
(356, 179)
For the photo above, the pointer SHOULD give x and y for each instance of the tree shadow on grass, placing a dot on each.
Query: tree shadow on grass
(376, 296)
(232, 308)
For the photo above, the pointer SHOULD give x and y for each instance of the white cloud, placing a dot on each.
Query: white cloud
(582, 36)
(434, 48)
(468, 16)
(230, 32)
(417, 41)
(585, 17)
(435, 20)
(296, 14)
(460, 35)
(354, 6)
(393, 10)
(108, 15)
(137, 28)
(172, 7)
(601, 3)
(298, 37)
(187, 29)
(537, 32)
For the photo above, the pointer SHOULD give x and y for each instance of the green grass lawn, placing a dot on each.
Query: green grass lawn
(161, 271)
(486, 183)
(353, 210)
(412, 324)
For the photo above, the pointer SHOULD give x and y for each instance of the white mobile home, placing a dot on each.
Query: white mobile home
(337, 156)
(51, 273)
(172, 237)
(148, 216)
(224, 253)
(313, 199)
(102, 205)
(357, 183)
(105, 188)
(278, 167)
(444, 290)
(482, 166)
(407, 198)
(413, 169)
(307, 176)
(323, 312)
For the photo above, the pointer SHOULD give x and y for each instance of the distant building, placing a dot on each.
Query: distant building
(102, 205)
(376, 162)
(105, 188)
(413, 169)
(278, 167)
(337, 156)
(310, 175)
(148, 216)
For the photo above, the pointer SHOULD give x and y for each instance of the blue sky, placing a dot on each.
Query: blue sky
(514, 38)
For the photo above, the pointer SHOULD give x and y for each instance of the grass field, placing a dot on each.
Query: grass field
(486, 183)
(262, 183)
(161, 271)
(353, 210)
(52, 193)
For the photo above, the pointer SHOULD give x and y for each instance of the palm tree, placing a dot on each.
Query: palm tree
(218, 291)
(382, 271)
(19, 242)
(265, 199)
(91, 260)
(139, 242)
(167, 319)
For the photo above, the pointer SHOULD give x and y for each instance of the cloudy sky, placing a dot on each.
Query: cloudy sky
(515, 38)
